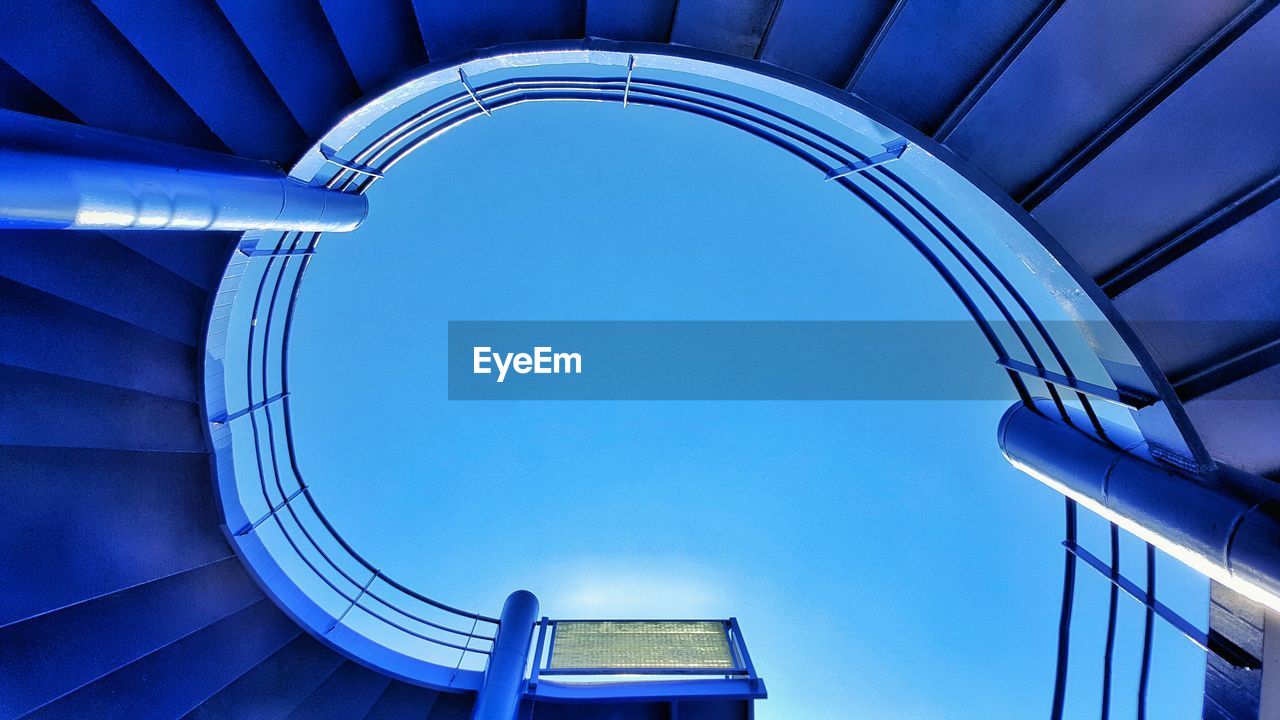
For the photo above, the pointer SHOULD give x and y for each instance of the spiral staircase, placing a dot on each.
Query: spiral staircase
(1142, 135)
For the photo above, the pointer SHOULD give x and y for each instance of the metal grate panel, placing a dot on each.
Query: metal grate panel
(594, 645)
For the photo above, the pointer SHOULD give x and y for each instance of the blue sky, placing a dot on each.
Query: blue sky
(883, 558)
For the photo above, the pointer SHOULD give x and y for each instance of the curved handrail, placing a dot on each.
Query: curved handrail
(954, 256)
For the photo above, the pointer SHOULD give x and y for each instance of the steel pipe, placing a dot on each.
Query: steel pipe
(499, 697)
(1225, 525)
(59, 175)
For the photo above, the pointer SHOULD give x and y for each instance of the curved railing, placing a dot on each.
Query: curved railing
(343, 595)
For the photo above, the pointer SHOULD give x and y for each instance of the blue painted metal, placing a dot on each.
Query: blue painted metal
(1063, 659)
(292, 42)
(921, 82)
(358, 168)
(1148, 630)
(1193, 327)
(194, 667)
(274, 686)
(539, 642)
(1221, 220)
(472, 92)
(349, 692)
(195, 49)
(277, 508)
(354, 601)
(720, 690)
(648, 21)
(644, 710)
(149, 515)
(198, 257)
(19, 93)
(1082, 69)
(1204, 640)
(59, 651)
(452, 706)
(1108, 654)
(998, 69)
(1226, 526)
(376, 596)
(402, 701)
(36, 409)
(1237, 421)
(1106, 215)
(1232, 693)
(1122, 397)
(91, 270)
(504, 680)
(57, 175)
(220, 419)
(1153, 97)
(824, 38)
(74, 54)
(626, 88)
(380, 38)
(735, 27)
(892, 151)
(1238, 365)
(450, 29)
(882, 30)
(46, 333)
(739, 645)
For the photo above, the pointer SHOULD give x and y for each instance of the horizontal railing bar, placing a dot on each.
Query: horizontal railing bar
(1125, 398)
(275, 253)
(390, 605)
(332, 156)
(1209, 642)
(892, 151)
(254, 525)
(225, 418)
(338, 620)
(420, 636)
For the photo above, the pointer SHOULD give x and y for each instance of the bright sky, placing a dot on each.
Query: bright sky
(883, 558)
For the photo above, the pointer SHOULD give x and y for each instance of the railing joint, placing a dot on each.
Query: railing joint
(892, 151)
(225, 418)
(331, 155)
(626, 89)
(472, 92)
(354, 602)
(1211, 641)
(1124, 397)
(254, 526)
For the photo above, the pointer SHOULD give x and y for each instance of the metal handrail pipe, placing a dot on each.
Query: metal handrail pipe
(504, 681)
(1225, 525)
(56, 175)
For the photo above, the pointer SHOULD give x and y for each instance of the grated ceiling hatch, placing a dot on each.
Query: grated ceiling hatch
(641, 645)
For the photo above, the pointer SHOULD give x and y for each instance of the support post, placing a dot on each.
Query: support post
(60, 175)
(503, 688)
(1225, 525)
